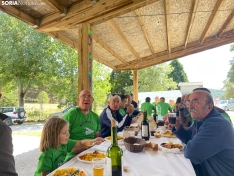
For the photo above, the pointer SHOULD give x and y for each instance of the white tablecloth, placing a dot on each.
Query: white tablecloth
(146, 163)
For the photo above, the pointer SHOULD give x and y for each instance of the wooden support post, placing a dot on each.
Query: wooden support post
(85, 58)
(135, 85)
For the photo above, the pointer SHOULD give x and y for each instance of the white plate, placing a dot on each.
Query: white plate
(109, 139)
(134, 128)
(76, 168)
(85, 152)
(162, 134)
(161, 145)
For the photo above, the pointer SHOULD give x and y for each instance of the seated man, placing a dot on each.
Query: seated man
(210, 141)
(112, 112)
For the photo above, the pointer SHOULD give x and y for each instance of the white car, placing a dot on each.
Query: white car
(14, 113)
(225, 104)
(60, 114)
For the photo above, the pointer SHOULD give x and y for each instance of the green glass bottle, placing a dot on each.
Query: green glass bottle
(145, 127)
(114, 154)
(155, 115)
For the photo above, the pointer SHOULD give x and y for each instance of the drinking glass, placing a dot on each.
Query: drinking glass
(98, 166)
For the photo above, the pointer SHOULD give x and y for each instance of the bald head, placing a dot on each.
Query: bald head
(201, 104)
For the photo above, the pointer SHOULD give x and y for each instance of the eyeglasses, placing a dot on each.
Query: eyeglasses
(86, 96)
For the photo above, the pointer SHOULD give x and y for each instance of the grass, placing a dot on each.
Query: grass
(28, 133)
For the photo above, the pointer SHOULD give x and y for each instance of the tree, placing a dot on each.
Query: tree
(42, 98)
(120, 81)
(229, 82)
(155, 78)
(100, 86)
(178, 74)
(27, 57)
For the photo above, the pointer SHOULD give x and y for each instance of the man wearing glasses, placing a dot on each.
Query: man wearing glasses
(84, 123)
(211, 147)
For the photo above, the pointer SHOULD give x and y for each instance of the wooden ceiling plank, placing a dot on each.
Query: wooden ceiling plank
(84, 11)
(211, 42)
(136, 4)
(104, 62)
(226, 24)
(143, 28)
(122, 37)
(211, 20)
(167, 18)
(60, 28)
(191, 20)
(103, 45)
(64, 39)
(18, 14)
(93, 13)
(55, 5)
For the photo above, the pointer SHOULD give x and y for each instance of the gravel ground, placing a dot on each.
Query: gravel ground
(26, 150)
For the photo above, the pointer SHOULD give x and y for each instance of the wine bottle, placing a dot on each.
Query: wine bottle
(155, 115)
(114, 154)
(145, 127)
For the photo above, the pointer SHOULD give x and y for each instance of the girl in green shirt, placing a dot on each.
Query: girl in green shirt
(55, 144)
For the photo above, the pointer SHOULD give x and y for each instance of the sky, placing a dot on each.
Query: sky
(210, 66)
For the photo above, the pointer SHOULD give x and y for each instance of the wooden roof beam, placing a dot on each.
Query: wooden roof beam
(226, 24)
(211, 20)
(18, 14)
(143, 28)
(103, 45)
(64, 39)
(191, 20)
(167, 19)
(93, 13)
(122, 37)
(57, 6)
(195, 47)
(82, 11)
(104, 62)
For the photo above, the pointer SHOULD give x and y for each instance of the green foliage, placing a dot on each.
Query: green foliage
(229, 82)
(217, 93)
(120, 81)
(178, 74)
(9, 98)
(155, 78)
(42, 98)
(26, 56)
(100, 86)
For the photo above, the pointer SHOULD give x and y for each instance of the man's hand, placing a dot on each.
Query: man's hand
(130, 109)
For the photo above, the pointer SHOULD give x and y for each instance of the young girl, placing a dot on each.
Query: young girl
(55, 144)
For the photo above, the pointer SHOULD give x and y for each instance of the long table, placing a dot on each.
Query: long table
(146, 163)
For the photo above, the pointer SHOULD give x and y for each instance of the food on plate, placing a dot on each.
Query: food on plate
(69, 171)
(168, 133)
(118, 138)
(131, 127)
(170, 145)
(157, 135)
(155, 147)
(126, 134)
(91, 156)
(148, 144)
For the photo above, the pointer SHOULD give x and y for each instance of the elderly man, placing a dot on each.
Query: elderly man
(7, 162)
(211, 149)
(112, 112)
(84, 123)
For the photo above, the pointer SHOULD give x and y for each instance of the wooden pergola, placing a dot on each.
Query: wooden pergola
(129, 34)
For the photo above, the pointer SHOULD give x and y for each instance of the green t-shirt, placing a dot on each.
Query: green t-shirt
(148, 107)
(122, 111)
(164, 108)
(52, 158)
(154, 103)
(82, 126)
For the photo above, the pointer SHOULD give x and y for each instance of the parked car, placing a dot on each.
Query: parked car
(225, 104)
(60, 114)
(14, 113)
